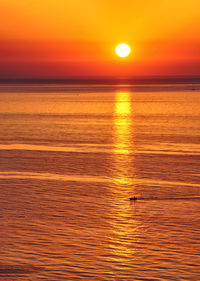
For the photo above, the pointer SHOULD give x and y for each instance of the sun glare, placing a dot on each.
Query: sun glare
(123, 50)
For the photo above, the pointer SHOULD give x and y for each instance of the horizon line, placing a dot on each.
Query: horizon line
(147, 79)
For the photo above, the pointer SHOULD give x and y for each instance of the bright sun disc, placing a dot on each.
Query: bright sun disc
(123, 50)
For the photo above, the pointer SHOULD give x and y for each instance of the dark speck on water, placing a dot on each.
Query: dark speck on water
(133, 198)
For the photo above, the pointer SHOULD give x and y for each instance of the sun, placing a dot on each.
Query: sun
(123, 50)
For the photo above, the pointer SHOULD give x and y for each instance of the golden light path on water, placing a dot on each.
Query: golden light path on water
(123, 138)
(125, 228)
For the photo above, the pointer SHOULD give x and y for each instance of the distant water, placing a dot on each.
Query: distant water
(70, 158)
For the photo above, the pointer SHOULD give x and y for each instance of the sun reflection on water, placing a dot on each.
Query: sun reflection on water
(123, 224)
(123, 139)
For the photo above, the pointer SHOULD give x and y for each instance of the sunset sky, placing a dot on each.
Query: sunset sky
(60, 38)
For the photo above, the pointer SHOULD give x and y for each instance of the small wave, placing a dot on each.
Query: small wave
(78, 148)
(104, 148)
(93, 179)
(15, 270)
(50, 176)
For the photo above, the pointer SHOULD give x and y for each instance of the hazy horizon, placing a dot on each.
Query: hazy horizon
(111, 78)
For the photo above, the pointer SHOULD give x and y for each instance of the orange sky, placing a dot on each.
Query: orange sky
(53, 38)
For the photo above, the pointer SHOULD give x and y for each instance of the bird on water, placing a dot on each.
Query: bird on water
(133, 198)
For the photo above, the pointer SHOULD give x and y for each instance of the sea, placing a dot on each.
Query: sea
(71, 157)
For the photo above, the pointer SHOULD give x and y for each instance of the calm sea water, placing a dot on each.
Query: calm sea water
(70, 158)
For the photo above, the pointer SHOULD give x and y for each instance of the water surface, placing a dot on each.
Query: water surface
(70, 159)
